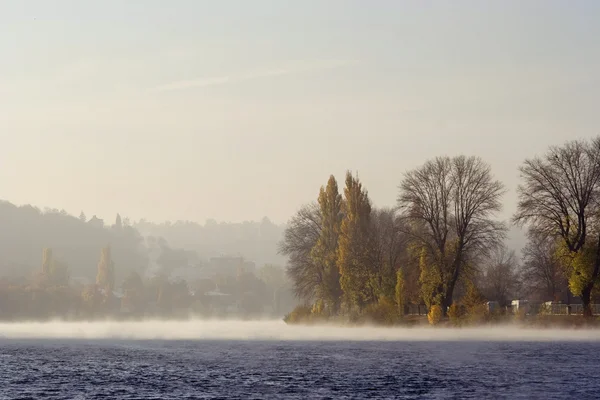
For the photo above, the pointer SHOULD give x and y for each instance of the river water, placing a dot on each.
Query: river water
(245, 361)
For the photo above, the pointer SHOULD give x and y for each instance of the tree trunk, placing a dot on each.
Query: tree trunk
(447, 300)
(586, 295)
(446, 303)
(449, 295)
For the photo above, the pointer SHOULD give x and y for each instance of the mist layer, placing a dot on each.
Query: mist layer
(278, 330)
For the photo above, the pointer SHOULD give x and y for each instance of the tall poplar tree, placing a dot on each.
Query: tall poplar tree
(106, 270)
(354, 245)
(324, 253)
(47, 261)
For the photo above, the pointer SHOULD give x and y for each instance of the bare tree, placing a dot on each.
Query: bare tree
(300, 236)
(449, 205)
(543, 275)
(389, 241)
(501, 276)
(559, 197)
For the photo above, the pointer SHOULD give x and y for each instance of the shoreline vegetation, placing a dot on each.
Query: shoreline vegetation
(566, 322)
(442, 247)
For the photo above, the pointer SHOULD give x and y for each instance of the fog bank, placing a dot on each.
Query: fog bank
(278, 330)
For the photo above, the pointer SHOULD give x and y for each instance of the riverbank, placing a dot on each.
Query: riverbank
(419, 321)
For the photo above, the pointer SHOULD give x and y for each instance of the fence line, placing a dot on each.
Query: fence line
(529, 309)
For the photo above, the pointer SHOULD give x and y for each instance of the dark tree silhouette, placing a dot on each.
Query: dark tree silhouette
(558, 197)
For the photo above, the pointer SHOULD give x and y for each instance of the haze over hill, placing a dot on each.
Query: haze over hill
(255, 241)
(77, 241)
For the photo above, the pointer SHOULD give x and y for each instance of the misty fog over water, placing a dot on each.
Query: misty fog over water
(276, 330)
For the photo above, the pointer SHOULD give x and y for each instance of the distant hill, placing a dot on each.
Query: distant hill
(26, 230)
(255, 241)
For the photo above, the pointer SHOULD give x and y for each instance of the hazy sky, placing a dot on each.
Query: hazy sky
(239, 109)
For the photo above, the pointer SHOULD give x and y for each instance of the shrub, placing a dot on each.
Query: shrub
(475, 309)
(456, 314)
(478, 314)
(520, 315)
(300, 314)
(318, 307)
(435, 314)
(383, 312)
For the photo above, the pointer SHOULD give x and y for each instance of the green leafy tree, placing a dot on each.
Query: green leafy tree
(354, 251)
(324, 253)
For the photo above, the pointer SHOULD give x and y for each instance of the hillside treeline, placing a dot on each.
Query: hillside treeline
(27, 230)
(138, 246)
(49, 292)
(443, 245)
(51, 265)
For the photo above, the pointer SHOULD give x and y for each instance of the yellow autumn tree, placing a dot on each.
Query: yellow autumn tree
(434, 315)
(580, 268)
(47, 261)
(54, 272)
(430, 281)
(105, 278)
(399, 293)
(324, 253)
(354, 245)
(473, 302)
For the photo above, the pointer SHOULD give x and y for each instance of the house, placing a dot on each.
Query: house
(519, 306)
(492, 306)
